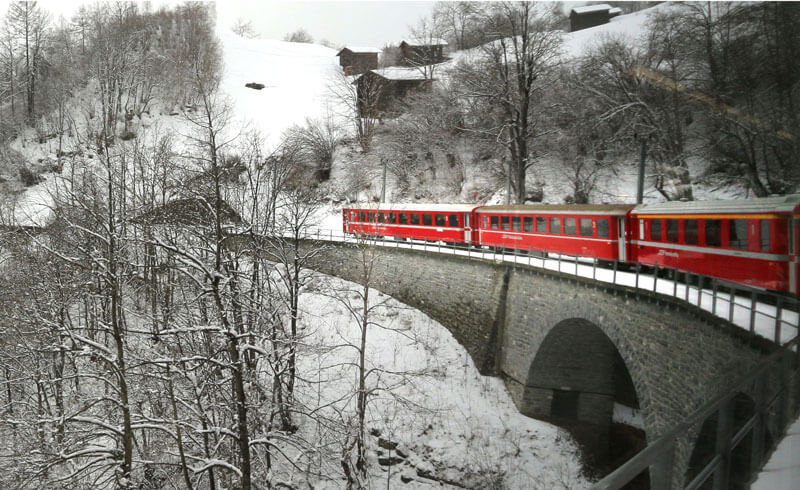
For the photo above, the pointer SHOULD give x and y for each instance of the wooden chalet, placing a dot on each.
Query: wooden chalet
(379, 90)
(356, 60)
(417, 52)
(591, 16)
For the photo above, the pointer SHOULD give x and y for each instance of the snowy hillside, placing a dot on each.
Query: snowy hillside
(295, 76)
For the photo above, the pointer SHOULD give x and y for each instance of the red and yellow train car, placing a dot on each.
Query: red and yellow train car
(585, 230)
(751, 241)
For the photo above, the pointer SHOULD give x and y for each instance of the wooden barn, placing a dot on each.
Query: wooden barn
(422, 52)
(379, 90)
(591, 15)
(355, 60)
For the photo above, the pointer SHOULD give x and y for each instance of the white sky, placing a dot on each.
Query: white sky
(361, 23)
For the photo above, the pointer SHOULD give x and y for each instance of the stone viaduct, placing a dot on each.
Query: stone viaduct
(567, 347)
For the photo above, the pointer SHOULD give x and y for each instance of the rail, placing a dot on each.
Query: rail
(767, 314)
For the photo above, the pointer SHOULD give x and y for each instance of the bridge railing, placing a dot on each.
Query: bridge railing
(772, 408)
(761, 312)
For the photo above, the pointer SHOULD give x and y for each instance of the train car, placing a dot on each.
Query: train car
(752, 241)
(585, 230)
(451, 223)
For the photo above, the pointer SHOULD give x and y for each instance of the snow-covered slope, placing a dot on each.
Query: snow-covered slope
(296, 77)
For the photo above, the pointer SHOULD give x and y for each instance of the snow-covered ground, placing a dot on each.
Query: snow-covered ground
(782, 471)
(446, 417)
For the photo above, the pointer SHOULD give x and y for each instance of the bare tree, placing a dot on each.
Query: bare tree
(357, 99)
(507, 80)
(299, 36)
(244, 28)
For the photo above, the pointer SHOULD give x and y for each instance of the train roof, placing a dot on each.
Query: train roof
(777, 204)
(592, 209)
(440, 208)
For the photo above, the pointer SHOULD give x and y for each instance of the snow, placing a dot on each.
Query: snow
(34, 207)
(296, 78)
(401, 73)
(466, 426)
(628, 416)
(360, 49)
(591, 8)
(782, 471)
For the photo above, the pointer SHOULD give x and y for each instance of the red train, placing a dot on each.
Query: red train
(753, 241)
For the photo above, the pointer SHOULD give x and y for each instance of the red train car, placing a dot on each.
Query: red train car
(585, 230)
(753, 241)
(437, 222)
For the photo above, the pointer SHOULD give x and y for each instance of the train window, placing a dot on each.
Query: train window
(504, 225)
(655, 230)
(381, 217)
(371, 216)
(440, 220)
(569, 226)
(713, 232)
(495, 220)
(541, 224)
(586, 226)
(390, 218)
(427, 219)
(738, 233)
(764, 235)
(690, 232)
(672, 230)
(527, 224)
(402, 218)
(453, 218)
(413, 218)
(362, 216)
(555, 226)
(516, 223)
(602, 228)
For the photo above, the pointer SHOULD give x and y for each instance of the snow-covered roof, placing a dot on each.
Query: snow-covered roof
(400, 73)
(359, 50)
(439, 208)
(615, 11)
(776, 204)
(425, 42)
(588, 209)
(591, 8)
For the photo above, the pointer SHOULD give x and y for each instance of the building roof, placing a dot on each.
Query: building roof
(775, 204)
(425, 42)
(359, 50)
(615, 11)
(435, 208)
(591, 8)
(591, 209)
(400, 73)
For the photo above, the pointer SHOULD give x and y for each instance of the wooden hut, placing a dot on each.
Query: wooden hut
(355, 60)
(379, 90)
(422, 52)
(591, 15)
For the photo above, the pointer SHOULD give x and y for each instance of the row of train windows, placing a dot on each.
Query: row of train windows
(552, 225)
(713, 228)
(427, 219)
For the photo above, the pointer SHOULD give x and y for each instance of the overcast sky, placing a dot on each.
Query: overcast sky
(360, 23)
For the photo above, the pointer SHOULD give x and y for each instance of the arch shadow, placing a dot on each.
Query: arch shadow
(579, 381)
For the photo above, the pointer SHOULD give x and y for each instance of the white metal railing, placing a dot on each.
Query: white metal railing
(764, 313)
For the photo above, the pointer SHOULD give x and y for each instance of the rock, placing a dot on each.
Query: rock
(254, 85)
(391, 461)
(386, 444)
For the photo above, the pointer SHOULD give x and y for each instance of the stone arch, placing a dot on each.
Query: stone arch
(576, 378)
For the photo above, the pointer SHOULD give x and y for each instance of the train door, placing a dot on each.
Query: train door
(621, 242)
(345, 219)
(467, 229)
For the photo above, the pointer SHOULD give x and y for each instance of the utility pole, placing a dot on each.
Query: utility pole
(508, 184)
(383, 184)
(640, 182)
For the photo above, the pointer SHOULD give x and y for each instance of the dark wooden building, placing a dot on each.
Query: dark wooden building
(380, 90)
(355, 60)
(418, 52)
(591, 15)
